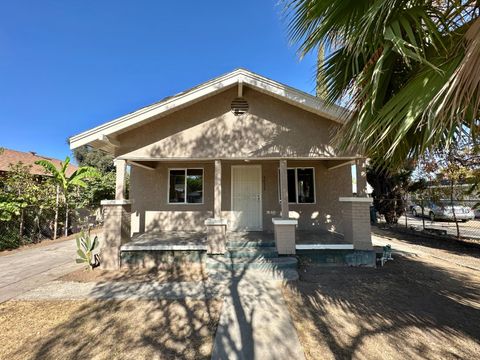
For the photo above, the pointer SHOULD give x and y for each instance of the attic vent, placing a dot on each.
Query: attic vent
(239, 106)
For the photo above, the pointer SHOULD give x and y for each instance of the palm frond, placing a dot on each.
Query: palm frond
(459, 98)
(408, 70)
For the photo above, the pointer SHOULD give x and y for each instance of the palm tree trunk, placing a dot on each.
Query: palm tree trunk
(20, 230)
(453, 209)
(66, 216)
(55, 224)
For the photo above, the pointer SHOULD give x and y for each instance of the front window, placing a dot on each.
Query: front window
(301, 185)
(185, 186)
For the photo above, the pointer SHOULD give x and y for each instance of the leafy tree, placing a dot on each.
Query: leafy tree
(65, 184)
(406, 68)
(101, 187)
(20, 190)
(447, 169)
(389, 191)
(88, 156)
(24, 204)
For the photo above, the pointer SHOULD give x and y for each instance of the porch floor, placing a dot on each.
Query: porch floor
(197, 241)
(320, 240)
(167, 240)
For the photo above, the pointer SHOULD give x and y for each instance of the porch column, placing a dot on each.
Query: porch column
(284, 188)
(361, 169)
(284, 228)
(217, 191)
(121, 170)
(216, 226)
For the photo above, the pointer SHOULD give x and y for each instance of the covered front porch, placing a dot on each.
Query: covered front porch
(255, 249)
(197, 241)
(206, 206)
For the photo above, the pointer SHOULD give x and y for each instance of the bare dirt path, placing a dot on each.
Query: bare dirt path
(450, 251)
(424, 304)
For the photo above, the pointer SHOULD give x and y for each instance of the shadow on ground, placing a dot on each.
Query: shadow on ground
(408, 309)
(115, 329)
(106, 329)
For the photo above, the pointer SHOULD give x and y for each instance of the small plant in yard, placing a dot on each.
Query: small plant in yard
(85, 248)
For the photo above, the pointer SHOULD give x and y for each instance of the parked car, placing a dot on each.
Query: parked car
(444, 212)
(477, 213)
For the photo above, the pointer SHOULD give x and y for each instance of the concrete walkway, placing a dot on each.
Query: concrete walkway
(255, 322)
(25, 270)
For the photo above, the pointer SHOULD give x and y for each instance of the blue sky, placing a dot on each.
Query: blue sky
(66, 66)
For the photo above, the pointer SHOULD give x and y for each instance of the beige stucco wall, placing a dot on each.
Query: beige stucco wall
(151, 211)
(208, 129)
(150, 208)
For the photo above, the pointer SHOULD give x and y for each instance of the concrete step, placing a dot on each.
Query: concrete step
(252, 252)
(221, 275)
(236, 244)
(280, 263)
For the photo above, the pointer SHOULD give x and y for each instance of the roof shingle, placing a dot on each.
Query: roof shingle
(9, 157)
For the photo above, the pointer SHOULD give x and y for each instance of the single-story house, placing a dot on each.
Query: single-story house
(9, 157)
(238, 158)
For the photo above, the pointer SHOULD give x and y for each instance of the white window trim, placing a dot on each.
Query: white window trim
(185, 202)
(296, 186)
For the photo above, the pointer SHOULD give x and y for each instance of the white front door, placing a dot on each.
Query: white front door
(247, 197)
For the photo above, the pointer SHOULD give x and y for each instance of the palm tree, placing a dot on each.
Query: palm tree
(408, 70)
(64, 184)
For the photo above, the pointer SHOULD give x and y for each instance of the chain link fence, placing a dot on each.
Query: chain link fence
(35, 224)
(459, 218)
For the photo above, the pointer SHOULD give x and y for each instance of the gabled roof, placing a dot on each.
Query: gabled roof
(103, 136)
(11, 157)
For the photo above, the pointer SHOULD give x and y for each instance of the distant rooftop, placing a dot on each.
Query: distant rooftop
(10, 157)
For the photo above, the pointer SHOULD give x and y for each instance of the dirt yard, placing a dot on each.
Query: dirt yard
(421, 305)
(108, 329)
(190, 272)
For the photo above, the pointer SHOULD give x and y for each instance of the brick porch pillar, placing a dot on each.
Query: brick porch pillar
(284, 230)
(356, 220)
(116, 221)
(116, 232)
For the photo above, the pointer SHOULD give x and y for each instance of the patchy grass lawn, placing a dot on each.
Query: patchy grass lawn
(412, 308)
(185, 272)
(108, 329)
